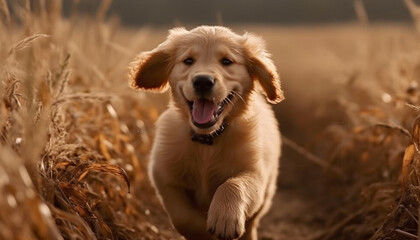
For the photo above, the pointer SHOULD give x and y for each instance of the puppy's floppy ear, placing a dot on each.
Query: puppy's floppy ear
(150, 70)
(262, 68)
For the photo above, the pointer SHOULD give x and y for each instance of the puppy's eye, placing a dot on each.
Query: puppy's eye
(226, 61)
(188, 61)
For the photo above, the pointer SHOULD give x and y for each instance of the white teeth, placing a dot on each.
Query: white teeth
(218, 108)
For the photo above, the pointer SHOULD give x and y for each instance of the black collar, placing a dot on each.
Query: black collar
(208, 138)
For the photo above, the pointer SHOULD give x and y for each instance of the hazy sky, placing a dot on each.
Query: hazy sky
(167, 12)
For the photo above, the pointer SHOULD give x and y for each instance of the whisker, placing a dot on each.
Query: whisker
(229, 101)
(239, 95)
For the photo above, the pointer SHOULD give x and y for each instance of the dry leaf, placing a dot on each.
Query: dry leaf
(406, 163)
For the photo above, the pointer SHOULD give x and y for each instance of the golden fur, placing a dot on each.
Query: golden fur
(220, 190)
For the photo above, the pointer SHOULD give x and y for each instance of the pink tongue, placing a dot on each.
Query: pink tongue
(203, 111)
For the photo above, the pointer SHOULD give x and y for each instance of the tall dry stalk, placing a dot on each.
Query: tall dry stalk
(25, 43)
(5, 10)
(361, 13)
(415, 13)
(102, 11)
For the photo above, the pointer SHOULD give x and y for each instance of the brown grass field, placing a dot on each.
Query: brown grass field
(74, 138)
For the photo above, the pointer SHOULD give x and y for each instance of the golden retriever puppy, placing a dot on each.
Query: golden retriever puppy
(214, 160)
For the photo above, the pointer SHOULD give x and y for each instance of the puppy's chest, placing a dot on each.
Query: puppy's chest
(206, 172)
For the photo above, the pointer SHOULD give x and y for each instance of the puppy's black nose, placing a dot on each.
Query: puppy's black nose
(203, 83)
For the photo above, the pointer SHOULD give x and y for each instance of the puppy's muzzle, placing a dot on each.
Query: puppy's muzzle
(203, 84)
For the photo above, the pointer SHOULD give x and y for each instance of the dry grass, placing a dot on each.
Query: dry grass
(362, 95)
(74, 138)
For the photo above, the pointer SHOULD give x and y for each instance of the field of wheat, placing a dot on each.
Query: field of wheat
(74, 138)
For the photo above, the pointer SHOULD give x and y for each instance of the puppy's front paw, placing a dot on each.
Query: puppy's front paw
(226, 223)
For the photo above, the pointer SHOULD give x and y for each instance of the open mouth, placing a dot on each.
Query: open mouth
(205, 113)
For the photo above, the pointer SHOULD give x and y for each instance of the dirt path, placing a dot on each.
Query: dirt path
(292, 217)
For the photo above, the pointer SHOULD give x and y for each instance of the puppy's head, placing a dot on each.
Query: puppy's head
(211, 72)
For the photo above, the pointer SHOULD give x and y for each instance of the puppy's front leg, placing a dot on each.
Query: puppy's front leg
(186, 219)
(235, 200)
